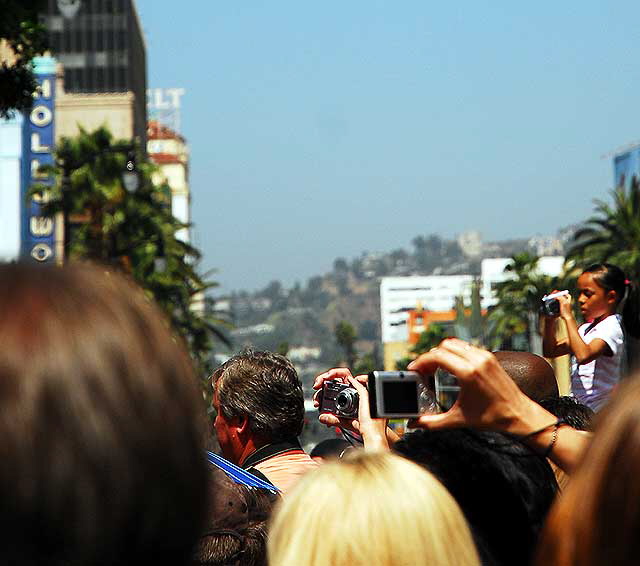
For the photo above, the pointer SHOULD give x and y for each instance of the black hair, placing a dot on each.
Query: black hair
(263, 387)
(329, 448)
(575, 414)
(503, 488)
(611, 278)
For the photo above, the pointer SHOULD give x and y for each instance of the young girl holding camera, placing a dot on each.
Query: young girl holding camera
(597, 345)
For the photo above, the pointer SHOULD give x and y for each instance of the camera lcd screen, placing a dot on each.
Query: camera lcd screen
(400, 396)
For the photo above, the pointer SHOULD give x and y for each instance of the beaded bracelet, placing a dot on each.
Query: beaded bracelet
(554, 436)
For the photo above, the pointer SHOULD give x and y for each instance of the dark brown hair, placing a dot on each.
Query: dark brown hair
(100, 423)
(597, 519)
(264, 387)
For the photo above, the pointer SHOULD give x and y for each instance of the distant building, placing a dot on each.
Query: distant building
(102, 50)
(169, 151)
(401, 296)
(626, 165)
(470, 243)
(545, 245)
(492, 271)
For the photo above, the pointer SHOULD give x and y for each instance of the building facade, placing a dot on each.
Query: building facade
(102, 51)
(169, 151)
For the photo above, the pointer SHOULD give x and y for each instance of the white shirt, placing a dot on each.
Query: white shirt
(591, 383)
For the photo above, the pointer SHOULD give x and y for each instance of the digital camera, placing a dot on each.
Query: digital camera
(551, 304)
(397, 395)
(339, 399)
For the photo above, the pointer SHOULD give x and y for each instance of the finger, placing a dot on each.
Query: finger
(446, 359)
(329, 419)
(357, 385)
(363, 378)
(334, 373)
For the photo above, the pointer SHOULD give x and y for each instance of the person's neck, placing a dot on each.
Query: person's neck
(250, 447)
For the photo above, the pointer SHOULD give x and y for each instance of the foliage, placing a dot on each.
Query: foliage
(613, 233)
(27, 37)
(346, 338)
(519, 299)
(133, 232)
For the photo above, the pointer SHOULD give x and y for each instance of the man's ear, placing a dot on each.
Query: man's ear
(242, 426)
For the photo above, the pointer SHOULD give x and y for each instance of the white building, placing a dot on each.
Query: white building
(398, 295)
(493, 271)
(169, 151)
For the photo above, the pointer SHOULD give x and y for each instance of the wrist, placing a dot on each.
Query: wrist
(528, 417)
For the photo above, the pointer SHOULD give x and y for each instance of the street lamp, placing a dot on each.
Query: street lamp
(130, 177)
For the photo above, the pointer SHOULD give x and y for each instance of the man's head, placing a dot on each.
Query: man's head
(504, 489)
(533, 374)
(258, 398)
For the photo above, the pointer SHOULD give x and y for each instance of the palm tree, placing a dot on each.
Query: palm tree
(519, 300)
(613, 233)
(133, 232)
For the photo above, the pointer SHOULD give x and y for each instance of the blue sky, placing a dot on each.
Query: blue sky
(322, 129)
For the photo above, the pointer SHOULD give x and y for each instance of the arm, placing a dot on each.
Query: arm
(583, 351)
(551, 346)
(489, 399)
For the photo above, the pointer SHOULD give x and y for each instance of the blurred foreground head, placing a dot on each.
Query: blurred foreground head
(597, 519)
(100, 424)
(370, 509)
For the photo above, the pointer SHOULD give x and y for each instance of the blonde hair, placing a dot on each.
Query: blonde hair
(373, 510)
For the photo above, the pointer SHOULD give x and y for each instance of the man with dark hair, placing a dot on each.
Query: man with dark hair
(503, 488)
(260, 412)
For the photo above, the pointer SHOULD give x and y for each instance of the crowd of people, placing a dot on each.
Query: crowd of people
(104, 433)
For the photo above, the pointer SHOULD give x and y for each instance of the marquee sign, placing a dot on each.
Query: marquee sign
(38, 231)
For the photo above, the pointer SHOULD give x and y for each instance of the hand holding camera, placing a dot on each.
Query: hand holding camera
(343, 401)
(551, 303)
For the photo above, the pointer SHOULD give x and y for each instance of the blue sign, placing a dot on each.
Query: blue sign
(38, 137)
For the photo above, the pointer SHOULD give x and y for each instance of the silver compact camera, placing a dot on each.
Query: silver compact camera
(551, 304)
(339, 399)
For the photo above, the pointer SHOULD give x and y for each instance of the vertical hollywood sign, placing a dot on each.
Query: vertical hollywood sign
(38, 140)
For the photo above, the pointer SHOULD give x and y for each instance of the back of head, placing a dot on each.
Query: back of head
(370, 509)
(99, 419)
(572, 412)
(263, 387)
(597, 519)
(532, 373)
(235, 530)
(329, 448)
(504, 490)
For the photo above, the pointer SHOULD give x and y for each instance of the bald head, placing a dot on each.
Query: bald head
(533, 374)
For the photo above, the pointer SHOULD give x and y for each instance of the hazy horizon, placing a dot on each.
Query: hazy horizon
(323, 130)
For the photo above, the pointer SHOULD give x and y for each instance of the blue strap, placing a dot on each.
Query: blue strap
(239, 475)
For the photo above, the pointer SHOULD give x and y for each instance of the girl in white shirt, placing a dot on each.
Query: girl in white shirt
(598, 344)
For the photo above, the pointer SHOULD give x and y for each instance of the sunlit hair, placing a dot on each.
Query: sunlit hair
(100, 429)
(370, 510)
(597, 519)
